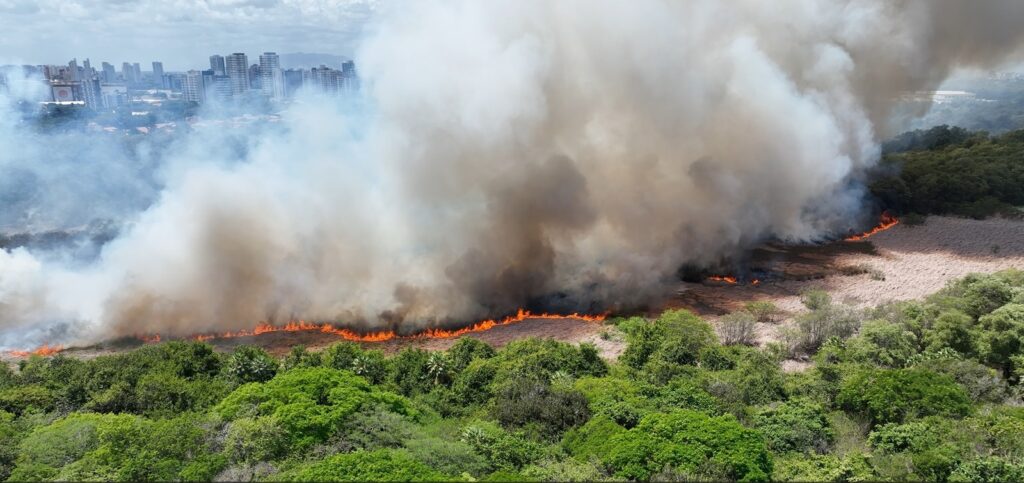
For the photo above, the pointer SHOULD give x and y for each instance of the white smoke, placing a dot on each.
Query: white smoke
(521, 153)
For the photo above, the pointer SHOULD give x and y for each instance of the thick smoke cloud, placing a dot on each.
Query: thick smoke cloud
(567, 155)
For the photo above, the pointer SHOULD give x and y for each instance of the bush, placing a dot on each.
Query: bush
(887, 396)
(952, 329)
(250, 364)
(310, 404)
(381, 465)
(1003, 336)
(991, 469)
(883, 343)
(251, 440)
(692, 443)
(816, 299)
(764, 311)
(985, 295)
(504, 450)
(799, 425)
(824, 323)
(737, 328)
(525, 402)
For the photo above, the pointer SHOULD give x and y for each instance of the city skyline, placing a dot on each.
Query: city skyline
(52, 33)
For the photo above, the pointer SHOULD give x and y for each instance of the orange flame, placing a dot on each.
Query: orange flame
(887, 221)
(43, 350)
(723, 278)
(386, 335)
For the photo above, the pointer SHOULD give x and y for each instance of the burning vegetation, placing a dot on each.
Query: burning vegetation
(346, 334)
(887, 221)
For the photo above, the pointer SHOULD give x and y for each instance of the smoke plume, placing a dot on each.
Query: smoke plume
(506, 154)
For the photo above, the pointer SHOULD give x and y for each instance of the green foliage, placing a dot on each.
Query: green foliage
(309, 403)
(952, 329)
(1003, 336)
(693, 443)
(466, 350)
(883, 343)
(991, 469)
(677, 337)
(800, 425)
(887, 396)
(925, 391)
(299, 356)
(504, 450)
(968, 174)
(539, 407)
(763, 311)
(250, 364)
(380, 465)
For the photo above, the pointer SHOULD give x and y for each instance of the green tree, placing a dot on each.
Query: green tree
(250, 364)
(897, 395)
(380, 465)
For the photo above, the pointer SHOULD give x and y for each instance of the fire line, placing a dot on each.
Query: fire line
(887, 221)
(347, 334)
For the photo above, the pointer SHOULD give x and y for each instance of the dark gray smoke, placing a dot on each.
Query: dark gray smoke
(514, 153)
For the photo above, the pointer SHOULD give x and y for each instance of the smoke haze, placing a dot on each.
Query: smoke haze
(563, 155)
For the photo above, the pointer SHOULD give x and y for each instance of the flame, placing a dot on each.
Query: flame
(43, 350)
(731, 280)
(386, 335)
(887, 221)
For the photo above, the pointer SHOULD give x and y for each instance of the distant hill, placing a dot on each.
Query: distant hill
(308, 60)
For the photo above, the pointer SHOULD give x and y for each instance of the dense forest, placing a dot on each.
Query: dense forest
(949, 170)
(921, 390)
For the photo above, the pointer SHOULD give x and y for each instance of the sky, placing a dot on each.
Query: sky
(180, 33)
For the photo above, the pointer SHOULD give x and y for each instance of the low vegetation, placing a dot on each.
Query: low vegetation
(948, 170)
(923, 390)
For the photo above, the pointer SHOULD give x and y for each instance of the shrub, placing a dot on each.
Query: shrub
(250, 364)
(800, 425)
(466, 350)
(887, 395)
(764, 311)
(692, 443)
(985, 295)
(823, 323)
(990, 469)
(883, 343)
(815, 299)
(737, 328)
(505, 450)
(310, 403)
(1003, 336)
(525, 402)
(380, 465)
(251, 440)
(952, 329)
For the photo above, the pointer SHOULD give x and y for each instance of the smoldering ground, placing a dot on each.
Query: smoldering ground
(503, 154)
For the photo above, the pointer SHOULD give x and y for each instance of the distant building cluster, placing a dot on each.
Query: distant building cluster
(228, 79)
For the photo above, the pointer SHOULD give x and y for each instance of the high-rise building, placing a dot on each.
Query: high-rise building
(128, 73)
(91, 93)
(217, 65)
(138, 72)
(158, 74)
(255, 82)
(109, 74)
(349, 77)
(72, 72)
(292, 81)
(237, 66)
(271, 77)
(87, 72)
(192, 87)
